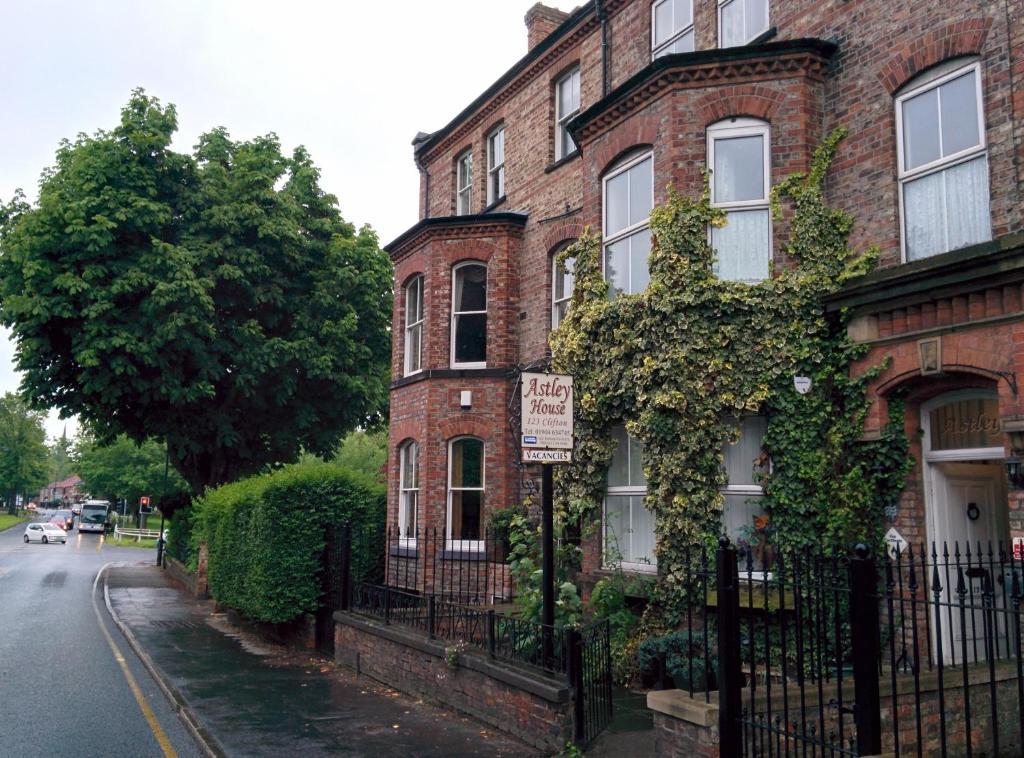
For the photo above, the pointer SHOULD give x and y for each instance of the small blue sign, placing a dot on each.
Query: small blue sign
(529, 439)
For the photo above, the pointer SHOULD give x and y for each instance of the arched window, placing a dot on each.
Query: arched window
(943, 162)
(466, 493)
(469, 316)
(413, 325)
(628, 524)
(738, 154)
(628, 198)
(408, 489)
(563, 282)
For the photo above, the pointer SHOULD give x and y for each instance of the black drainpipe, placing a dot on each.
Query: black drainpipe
(602, 16)
(426, 186)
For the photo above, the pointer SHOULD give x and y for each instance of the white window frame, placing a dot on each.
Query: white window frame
(566, 297)
(607, 240)
(940, 164)
(749, 37)
(631, 492)
(495, 170)
(414, 287)
(466, 545)
(733, 128)
(676, 34)
(456, 314)
(748, 491)
(464, 192)
(407, 492)
(562, 119)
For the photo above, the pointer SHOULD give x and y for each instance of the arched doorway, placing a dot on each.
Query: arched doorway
(965, 502)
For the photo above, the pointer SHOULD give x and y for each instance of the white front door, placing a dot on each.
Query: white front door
(969, 522)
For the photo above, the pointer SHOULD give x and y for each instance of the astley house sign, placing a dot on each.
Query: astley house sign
(547, 403)
(966, 424)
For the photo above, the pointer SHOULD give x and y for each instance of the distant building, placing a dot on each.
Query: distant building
(68, 490)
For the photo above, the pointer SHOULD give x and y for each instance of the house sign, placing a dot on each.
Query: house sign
(547, 404)
(895, 543)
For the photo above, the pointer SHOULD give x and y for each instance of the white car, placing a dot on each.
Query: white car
(45, 533)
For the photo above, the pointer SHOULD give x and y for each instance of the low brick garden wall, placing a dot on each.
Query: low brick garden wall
(530, 706)
(194, 583)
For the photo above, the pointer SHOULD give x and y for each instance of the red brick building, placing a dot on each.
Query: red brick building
(621, 99)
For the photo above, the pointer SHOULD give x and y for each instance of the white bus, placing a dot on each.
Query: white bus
(94, 516)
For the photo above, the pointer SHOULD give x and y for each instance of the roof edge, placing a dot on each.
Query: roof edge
(453, 222)
(517, 68)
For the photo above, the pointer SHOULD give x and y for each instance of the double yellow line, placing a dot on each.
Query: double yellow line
(147, 711)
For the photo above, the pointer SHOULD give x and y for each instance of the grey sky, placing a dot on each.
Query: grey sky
(351, 81)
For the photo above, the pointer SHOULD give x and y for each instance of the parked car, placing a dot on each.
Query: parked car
(31, 507)
(64, 519)
(45, 533)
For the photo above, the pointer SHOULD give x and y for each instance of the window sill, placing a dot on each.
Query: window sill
(451, 373)
(497, 203)
(562, 161)
(403, 551)
(449, 554)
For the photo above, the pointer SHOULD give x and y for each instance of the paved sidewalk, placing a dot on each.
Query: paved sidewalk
(250, 698)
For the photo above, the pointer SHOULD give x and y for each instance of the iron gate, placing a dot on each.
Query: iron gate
(590, 671)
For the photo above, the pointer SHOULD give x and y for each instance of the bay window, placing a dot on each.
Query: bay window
(628, 524)
(740, 178)
(408, 490)
(943, 163)
(465, 494)
(628, 198)
(469, 316)
(413, 325)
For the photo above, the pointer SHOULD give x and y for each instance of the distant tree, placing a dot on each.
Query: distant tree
(124, 469)
(24, 458)
(60, 464)
(215, 300)
(365, 452)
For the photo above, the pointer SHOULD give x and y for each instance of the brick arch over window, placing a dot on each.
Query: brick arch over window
(953, 40)
(412, 266)
(463, 251)
(453, 428)
(749, 101)
(403, 431)
(628, 136)
(564, 231)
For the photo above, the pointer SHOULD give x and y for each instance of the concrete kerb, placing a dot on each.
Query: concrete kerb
(206, 741)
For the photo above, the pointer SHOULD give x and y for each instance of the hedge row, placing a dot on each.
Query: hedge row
(265, 535)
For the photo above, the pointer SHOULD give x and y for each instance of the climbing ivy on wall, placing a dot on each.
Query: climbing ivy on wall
(680, 363)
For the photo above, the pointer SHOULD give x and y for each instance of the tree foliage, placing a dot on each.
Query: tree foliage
(125, 469)
(24, 458)
(365, 452)
(680, 363)
(61, 465)
(216, 300)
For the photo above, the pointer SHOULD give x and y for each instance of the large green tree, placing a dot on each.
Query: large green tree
(24, 458)
(124, 469)
(216, 300)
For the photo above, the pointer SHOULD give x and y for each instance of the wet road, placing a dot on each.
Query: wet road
(63, 691)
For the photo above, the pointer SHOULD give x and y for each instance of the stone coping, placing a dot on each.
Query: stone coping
(546, 687)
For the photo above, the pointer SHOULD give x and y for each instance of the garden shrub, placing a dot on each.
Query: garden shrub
(179, 538)
(684, 655)
(265, 535)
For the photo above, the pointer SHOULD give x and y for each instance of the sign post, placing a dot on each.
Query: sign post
(547, 405)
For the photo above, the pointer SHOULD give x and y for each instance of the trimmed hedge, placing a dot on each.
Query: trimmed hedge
(265, 535)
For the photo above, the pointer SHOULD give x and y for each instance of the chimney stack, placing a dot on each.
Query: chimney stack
(540, 22)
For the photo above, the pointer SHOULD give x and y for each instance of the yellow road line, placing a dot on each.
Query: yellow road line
(154, 725)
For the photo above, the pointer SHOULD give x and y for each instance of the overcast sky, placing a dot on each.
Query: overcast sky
(353, 82)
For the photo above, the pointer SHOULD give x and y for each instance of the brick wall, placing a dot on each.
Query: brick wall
(535, 708)
(881, 47)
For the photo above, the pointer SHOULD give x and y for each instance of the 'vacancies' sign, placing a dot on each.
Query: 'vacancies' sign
(547, 412)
